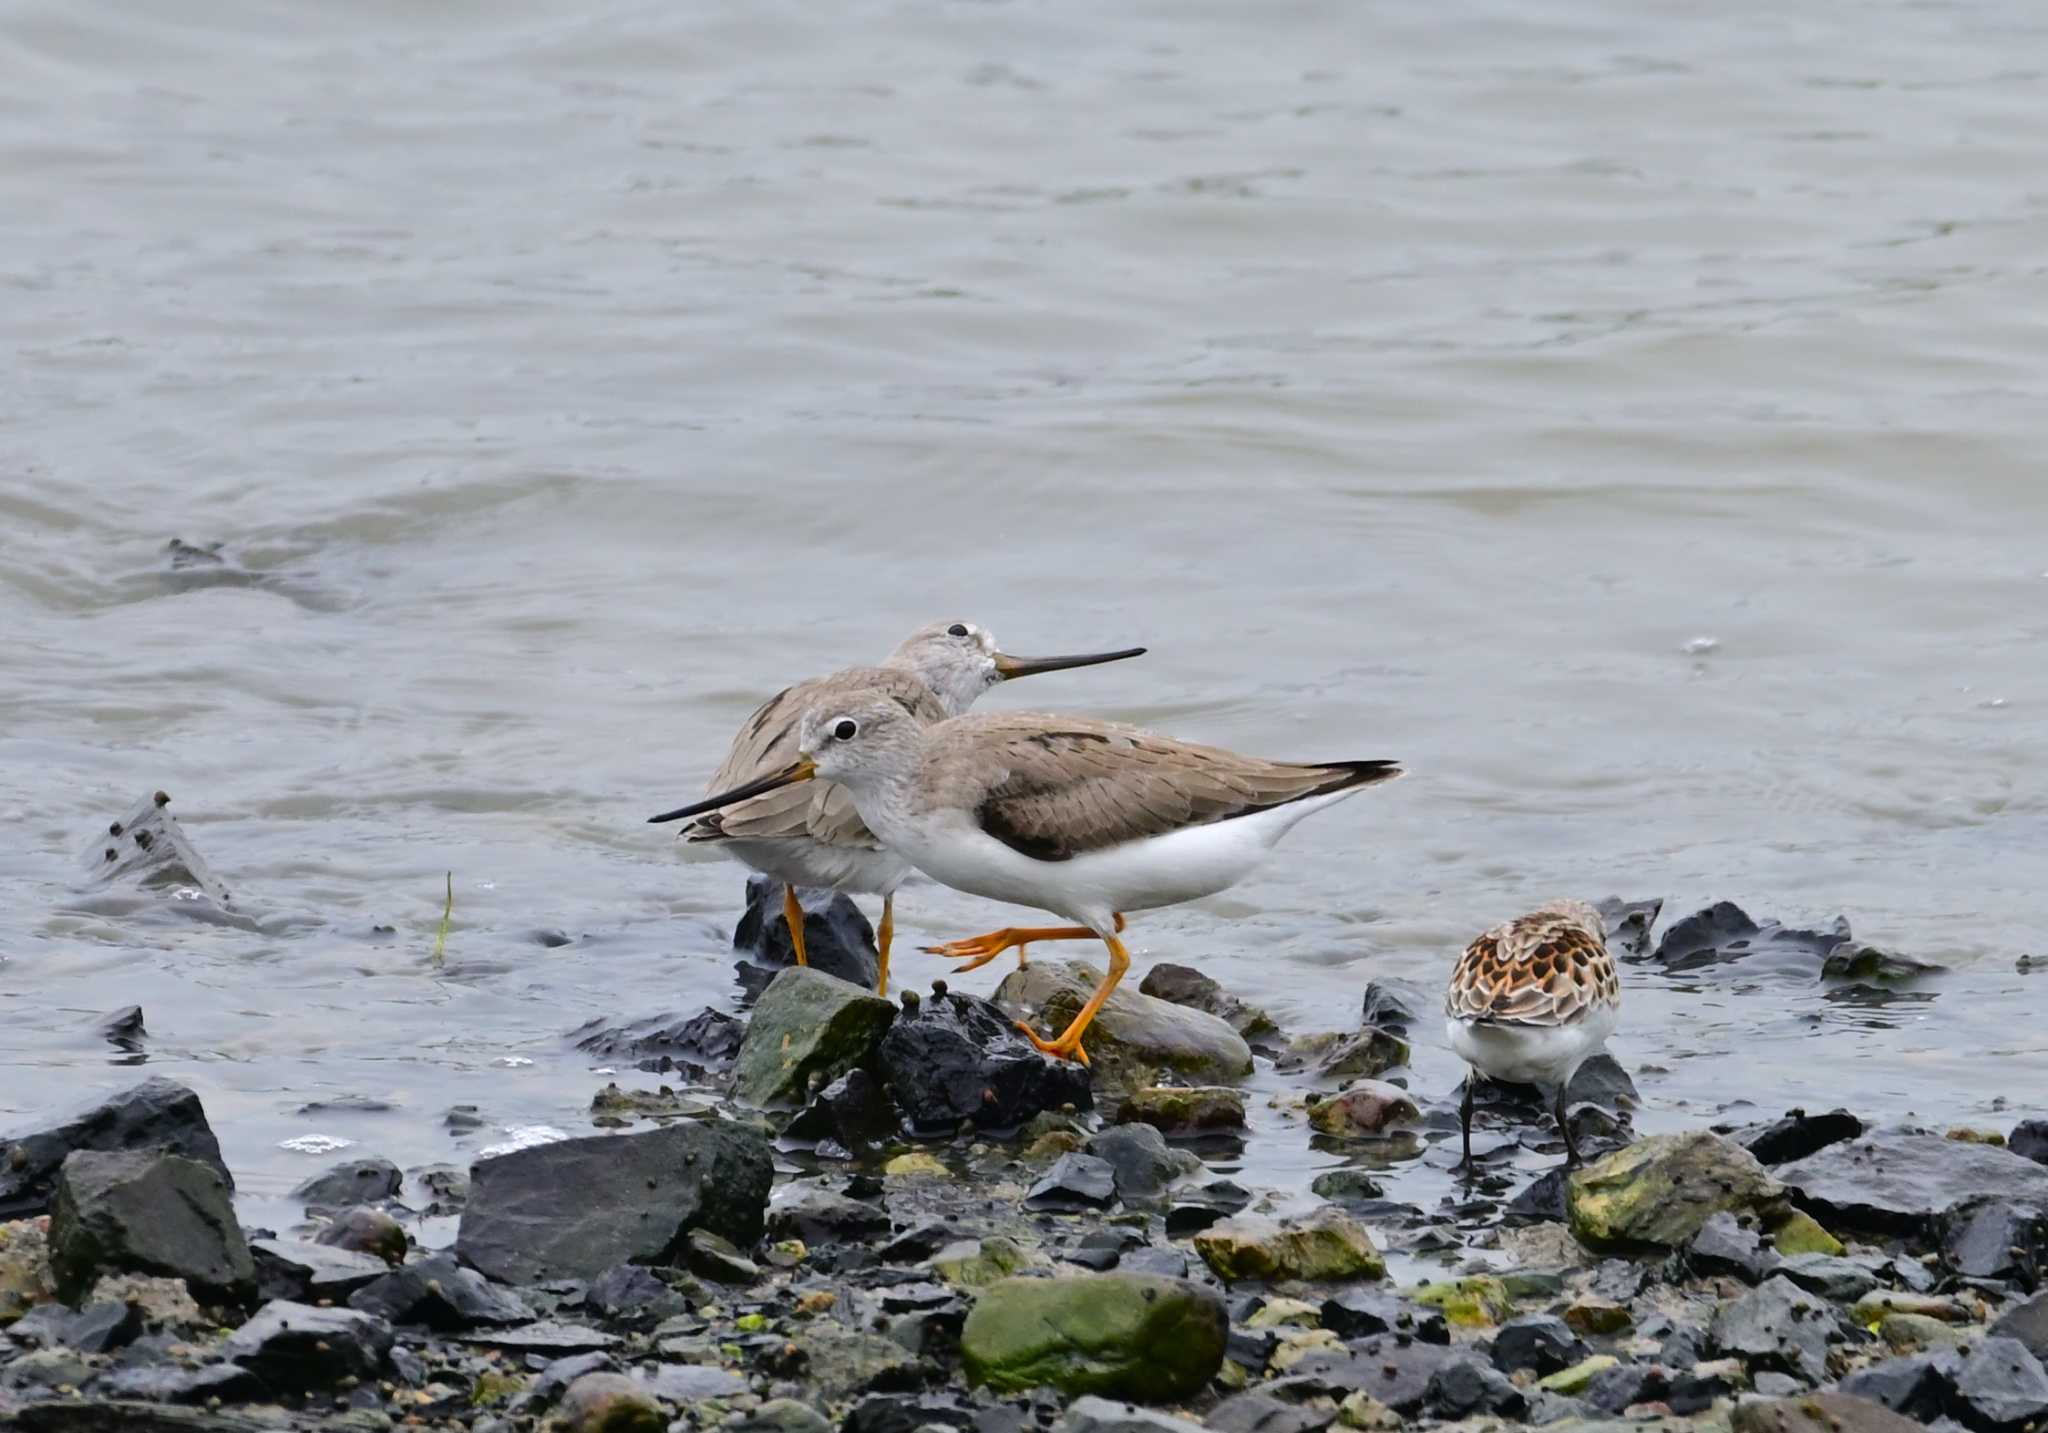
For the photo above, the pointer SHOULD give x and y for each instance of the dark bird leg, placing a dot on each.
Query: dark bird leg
(1564, 1127)
(1465, 1120)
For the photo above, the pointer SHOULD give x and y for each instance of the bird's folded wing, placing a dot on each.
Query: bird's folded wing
(1532, 973)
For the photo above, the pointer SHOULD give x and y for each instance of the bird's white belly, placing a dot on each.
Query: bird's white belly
(1530, 1054)
(799, 861)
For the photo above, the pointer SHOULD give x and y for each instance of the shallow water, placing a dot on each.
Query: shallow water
(1626, 416)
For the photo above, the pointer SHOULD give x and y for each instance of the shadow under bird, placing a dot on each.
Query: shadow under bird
(1087, 819)
(815, 836)
(1530, 1001)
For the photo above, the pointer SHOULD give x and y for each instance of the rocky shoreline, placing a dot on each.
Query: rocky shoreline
(890, 1216)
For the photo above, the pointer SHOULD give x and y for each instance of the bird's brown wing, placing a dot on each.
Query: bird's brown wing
(1058, 787)
(1532, 971)
(767, 742)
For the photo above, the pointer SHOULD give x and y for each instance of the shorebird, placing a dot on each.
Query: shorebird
(1087, 819)
(815, 837)
(1532, 1000)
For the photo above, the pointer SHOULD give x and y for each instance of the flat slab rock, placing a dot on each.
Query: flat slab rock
(1904, 1180)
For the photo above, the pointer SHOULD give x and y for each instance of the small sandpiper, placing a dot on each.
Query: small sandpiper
(815, 837)
(1532, 1000)
(1087, 819)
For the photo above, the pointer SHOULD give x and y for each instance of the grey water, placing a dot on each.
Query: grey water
(1628, 416)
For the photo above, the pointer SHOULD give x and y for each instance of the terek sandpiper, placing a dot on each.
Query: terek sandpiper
(815, 837)
(1087, 819)
(1532, 1000)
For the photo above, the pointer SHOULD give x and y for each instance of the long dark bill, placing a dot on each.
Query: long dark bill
(1010, 668)
(802, 770)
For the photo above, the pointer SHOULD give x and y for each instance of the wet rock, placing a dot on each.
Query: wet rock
(609, 1403)
(575, 1208)
(1368, 1107)
(823, 1216)
(439, 1293)
(2027, 1322)
(1540, 1343)
(1327, 1246)
(954, 1058)
(1144, 1165)
(1357, 1313)
(1777, 1326)
(1629, 924)
(1838, 1280)
(2000, 1385)
(1389, 1368)
(96, 1328)
(1816, 1413)
(632, 1295)
(123, 1029)
(1076, 1181)
(1997, 1239)
(710, 1039)
(1480, 1301)
(838, 941)
(853, 1116)
(1395, 1004)
(1662, 1190)
(1724, 933)
(1184, 1110)
(293, 1347)
(157, 1114)
(1338, 1056)
(1918, 1386)
(1464, 1386)
(147, 1213)
(1799, 1134)
(807, 1027)
(908, 1413)
(1902, 1181)
(1195, 1210)
(711, 1256)
(1725, 1246)
(2029, 1140)
(305, 1272)
(1124, 1335)
(1625, 1385)
(364, 1230)
(1256, 1412)
(1185, 985)
(352, 1182)
(1348, 1187)
(1868, 963)
(1102, 1415)
(1135, 1038)
(447, 1188)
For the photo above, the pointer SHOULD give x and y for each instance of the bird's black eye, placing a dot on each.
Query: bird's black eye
(958, 629)
(845, 730)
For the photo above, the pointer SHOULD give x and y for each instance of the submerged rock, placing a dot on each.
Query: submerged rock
(838, 941)
(575, 1208)
(1725, 933)
(710, 1039)
(157, 1114)
(1905, 1181)
(1368, 1107)
(1334, 1055)
(293, 1347)
(1185, 1110)
(352, 1182)
(1124, 1335)
(366, 1231)
(1328, 1246)
(146, 1213)
(807, 1026)
(1799, 1134)
(1135, 1038)
(956, 1058)
(2029, 1140)
(1662, 1190)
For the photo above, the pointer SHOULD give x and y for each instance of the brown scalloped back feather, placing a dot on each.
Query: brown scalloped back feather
(1544, 968)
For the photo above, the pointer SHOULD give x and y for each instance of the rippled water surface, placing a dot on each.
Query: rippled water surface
(1628, 416)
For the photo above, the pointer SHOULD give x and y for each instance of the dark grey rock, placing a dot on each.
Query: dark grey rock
(1185, 985)
(1839, 1281)
(1779, 1385)
(1799, 1134)
(714, 1257)
(1144, 1165)
(1696, 1392)
(562, 1372)
(1724, 934)
(132, 1415)
(633, 1295)
(578, 1207)
(1629, 924)
(710, 1039)
(146, 1212)
(97, 1328)
(306, 1273)
(1395, 1004)
(123, 1029)
(852, 1116)
(548, 1337)
(685, 1384)
(1997, 1239)
(164, 1382)
(1256, 1412)
(2000, 1385)
(1780, 1326)
(1627, 1384)
(352, 1182)
(1464, 1387)
(447, 1188)
(1075, 1181)
(954, 1058)
(1905, 1181)
(364, 1230)
(1542, 1343)
(157, 1114)
(1393, 1368)
(1683, 1347)
(1152, 1259)
(2027, 1322)
(903, 1413)
(1541, 1201)
(824, 1216)
(439, 1293)
(1102, 1415)
(293, 1347)
(1358, 1312)
(1726, 1246)
(837, 938)
(1919, 1386)
(2029, 1140)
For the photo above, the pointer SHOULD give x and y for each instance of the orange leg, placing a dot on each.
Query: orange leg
(793, 913)
(884, 934)
(979, 950)
(1069, 1042)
